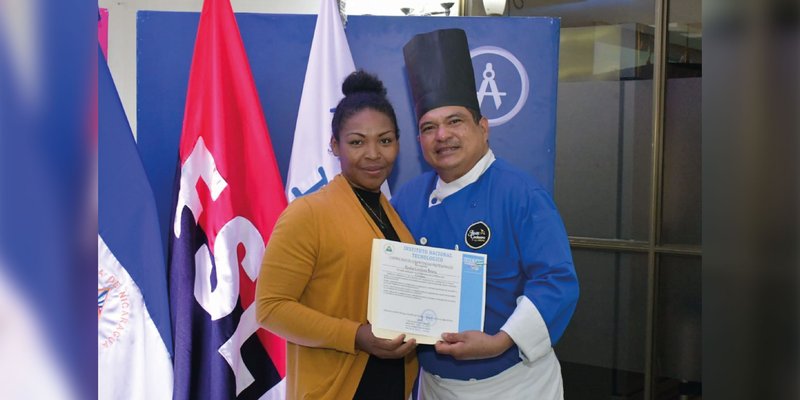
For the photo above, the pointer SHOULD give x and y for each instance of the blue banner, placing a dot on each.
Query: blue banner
(516, 73)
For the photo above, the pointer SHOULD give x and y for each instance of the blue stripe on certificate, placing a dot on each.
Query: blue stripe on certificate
(473, 271)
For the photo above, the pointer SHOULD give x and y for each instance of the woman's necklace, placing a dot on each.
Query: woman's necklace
(378, 215)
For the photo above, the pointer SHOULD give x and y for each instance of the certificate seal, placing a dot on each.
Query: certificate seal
(428, 317)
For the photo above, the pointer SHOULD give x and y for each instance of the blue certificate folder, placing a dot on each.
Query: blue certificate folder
(423, 291)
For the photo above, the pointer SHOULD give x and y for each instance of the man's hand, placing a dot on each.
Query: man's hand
(473, 345)
(382, 348)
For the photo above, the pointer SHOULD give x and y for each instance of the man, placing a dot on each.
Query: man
(476, 202)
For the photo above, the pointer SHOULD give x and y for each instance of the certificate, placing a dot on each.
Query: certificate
(424, 291)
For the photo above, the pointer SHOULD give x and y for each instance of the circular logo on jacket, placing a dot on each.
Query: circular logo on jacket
(477, 235)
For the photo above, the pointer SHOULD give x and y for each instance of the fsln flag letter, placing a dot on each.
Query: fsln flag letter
(229, 196)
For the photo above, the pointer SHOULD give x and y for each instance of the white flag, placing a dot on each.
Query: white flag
(134, 334)
(312, 164)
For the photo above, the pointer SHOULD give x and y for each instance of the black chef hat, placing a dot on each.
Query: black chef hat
(440, 71)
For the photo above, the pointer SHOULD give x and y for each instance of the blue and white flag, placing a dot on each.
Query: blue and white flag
(133, 325)
(312, 164)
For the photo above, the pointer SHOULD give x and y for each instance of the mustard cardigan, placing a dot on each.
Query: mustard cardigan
(313, 288)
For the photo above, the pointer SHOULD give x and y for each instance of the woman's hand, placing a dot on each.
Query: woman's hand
(473, 345)
(382, 348)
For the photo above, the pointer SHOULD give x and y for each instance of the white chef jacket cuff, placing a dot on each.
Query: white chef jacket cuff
(528, 330)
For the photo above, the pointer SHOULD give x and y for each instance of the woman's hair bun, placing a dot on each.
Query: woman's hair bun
(361, 81)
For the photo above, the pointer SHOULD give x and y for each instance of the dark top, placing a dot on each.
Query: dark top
(383, 378)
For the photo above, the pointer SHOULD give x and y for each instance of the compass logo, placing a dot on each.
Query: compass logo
(504, 84)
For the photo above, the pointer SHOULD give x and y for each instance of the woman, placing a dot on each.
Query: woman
(314, 279)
